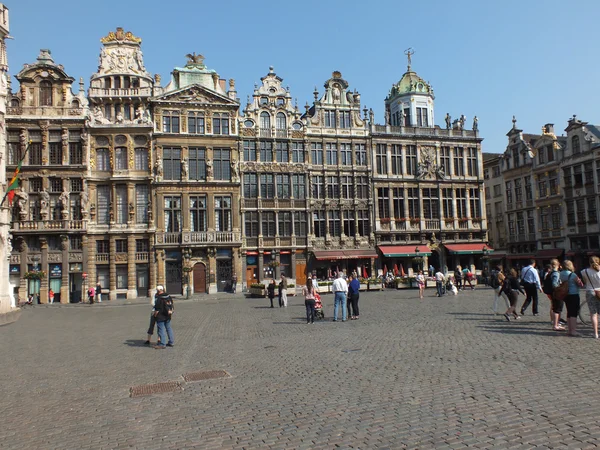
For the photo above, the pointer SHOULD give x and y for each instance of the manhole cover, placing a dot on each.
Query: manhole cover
(158, 388)
(206, 375)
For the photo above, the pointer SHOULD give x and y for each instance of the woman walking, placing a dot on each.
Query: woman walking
(591, 276)
(511, 287)
(309, 300)
(421, 283)
(271, 291)
(572, 299)
(551, 282)
(353, 295)
(458, 278)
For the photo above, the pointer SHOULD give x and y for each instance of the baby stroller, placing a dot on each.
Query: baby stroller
(450, 288)
(319, 314)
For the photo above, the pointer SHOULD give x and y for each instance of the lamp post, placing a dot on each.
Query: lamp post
(187, 255)
(486, 262)
(417, 258)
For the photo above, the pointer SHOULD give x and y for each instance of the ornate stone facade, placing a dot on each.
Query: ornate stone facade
(7, 298)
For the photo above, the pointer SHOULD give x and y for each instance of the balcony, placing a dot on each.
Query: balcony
(141, 257)
(281, 133)
(102, 257)
(198, 237)
(120, 93)
(49, 225)
(265, 132)
(432, 224)
(424, 131)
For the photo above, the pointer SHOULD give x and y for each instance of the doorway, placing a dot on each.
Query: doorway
(224, 271)
(142, 280)
(199, 279)
(173, 277)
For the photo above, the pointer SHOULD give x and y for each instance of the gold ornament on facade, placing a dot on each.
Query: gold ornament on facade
(120, 36)
(131, 152)
(64, 94)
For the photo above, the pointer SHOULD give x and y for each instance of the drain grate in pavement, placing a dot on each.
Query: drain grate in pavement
(206, 375)
(158, 388)
(353, 350)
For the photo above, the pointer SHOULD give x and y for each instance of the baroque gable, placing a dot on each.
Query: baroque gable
(195, 95)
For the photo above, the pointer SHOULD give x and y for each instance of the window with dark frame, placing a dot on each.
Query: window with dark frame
(251, 224)
(319, 223)
(299, 186)
(172, 163)
(298, 152)
(316, 153)
(411, 159)
(267, 186)
(56, 153)
(197, 163)
(300, 228)
(282, 183)
(195, 122)
(75, 153)
(268, 224)
(198, 215)
(284, 219)
(249, 151)
(223, 213)
(381, 159)
(221, 123)
(250, 182)
(266, 151)
(170, 121)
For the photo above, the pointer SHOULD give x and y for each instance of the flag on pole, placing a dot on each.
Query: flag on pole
(13, 184)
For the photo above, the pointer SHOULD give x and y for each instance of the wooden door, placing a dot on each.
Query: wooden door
(300, 274)
(250, 270)
(199, 279)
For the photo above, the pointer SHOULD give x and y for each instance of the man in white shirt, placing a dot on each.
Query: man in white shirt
(531, 282)
(439, 282)
(340, 291)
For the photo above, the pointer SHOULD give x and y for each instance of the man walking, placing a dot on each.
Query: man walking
(439, 282)
(163, 311)
(531, 282)
(283, 291)
(340, 291)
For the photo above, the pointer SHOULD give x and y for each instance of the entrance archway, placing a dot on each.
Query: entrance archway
(199, 278)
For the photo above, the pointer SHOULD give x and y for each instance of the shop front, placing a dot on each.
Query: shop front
(326, 263)
(472, 255)
(404, 260)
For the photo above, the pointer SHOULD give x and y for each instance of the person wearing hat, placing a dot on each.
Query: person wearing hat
(163, 311)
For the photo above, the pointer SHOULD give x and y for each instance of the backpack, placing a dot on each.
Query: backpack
(562, 290)
(547, 287)
(494, 280)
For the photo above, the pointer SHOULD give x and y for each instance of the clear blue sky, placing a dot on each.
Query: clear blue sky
(534, 59)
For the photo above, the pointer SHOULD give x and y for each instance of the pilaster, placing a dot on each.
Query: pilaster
(112, 270)
(131, 268)
(64, 282)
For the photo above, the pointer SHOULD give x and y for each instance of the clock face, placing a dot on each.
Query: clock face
(44, 73)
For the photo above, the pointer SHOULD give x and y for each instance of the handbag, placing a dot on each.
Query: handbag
(596, 293)
(562, 290)
(523, 282)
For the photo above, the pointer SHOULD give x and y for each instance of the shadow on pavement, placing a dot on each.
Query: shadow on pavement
(136, 343)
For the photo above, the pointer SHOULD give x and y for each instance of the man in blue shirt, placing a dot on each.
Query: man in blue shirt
(530, 279)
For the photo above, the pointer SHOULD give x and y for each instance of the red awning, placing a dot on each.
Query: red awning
(396, 251)
(250, 253)
(344, 254)
(467, 249)
(549, 253)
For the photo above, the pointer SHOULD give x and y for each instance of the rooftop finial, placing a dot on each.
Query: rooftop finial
(514, 121)
(409, 52)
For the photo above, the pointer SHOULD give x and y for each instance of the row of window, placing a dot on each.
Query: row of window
(582, 210)
(221, 208)
(120, 159)
(403, 160)
(198, 166)
(334, 223)
(55, 156)
(196, 123)
(105, 198)
(54, 242)
(141, 246)
(401, 203)
(271, 224)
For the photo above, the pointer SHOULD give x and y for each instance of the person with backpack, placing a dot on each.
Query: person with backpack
(511, 287)
(163, 311)
(551, 282)
(568, 277)
(496, 280)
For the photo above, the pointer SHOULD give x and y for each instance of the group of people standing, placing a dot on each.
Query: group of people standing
(282, 291)
(560, 282)
(161, 315)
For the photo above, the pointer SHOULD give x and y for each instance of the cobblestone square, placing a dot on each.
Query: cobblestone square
(438, 373)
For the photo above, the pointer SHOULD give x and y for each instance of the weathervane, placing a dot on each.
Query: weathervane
(409, 52)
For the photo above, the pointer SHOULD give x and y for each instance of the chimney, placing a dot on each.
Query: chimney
(549, 128)
(222, 84)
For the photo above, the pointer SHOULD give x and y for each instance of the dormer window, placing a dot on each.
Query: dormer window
(330, 119)
(45, 93)
(280, 101)
(264, 101)
(345, 119)
(575, 145)
(422, 120)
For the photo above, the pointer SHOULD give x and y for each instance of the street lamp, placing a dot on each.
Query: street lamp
(187, 269)
(486, 262)
(418, 258)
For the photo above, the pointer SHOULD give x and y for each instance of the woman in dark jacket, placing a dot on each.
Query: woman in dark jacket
(458, 277)
(511, 287)
(271, 291)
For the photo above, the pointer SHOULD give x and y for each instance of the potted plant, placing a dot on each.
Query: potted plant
(402, 283)
(35, 275)
(324, 286)
(364, 283)
(374, 284)
(258, 290)
(291, 289)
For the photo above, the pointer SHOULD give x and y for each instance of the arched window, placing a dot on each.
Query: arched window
(575, 144)
(45, 93)
(265, 121)
(280, 121)
(14, 103)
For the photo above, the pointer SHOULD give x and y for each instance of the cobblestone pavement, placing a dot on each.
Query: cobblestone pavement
(438, 373)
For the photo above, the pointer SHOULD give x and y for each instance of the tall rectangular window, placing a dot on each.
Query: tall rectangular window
(459, 156)
(222, 164)
(414, 211)
(445, 160)
(448, 207)
(316, 153)
(331, 153)
(347, 187)
(120, 158)
(461, 204)
(172, 163)
(528, 188)
(472, 166)
(141, 159)
(396, 159)
(298, 152)
(121, 203)
(170, 121)
(381, 159)
(249, 151)
(398, 203)
(141, 203)
(56, 153)
(362, 187)
(35, 154)
(509, 192)
(556, 217)
(285, 223)
(221, 123)
(346, 154)
(282, 181)
(345, 119)
(544, 218)
(530, 222)
(518, 190)
(76, 185)
(360, 155)
(299, 186)
(195, 122)
(102, 205)
(431, 203)
(197, 163)
(319, 223)
(333, 187)
(318, 187)
(411, 159)
(267, 188)
(422, 120)
(266, 151)
(330, 119)
(198, 220)
(250, 185)
(362, 217)
(300, 228)
(334, 225)
(223, 213)
(348, 223)
(281, 152)
(251, 224)
(268, 224)
(383, 203)
(172, 214)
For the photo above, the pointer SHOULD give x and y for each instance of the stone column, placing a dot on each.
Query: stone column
(152, 272)
(293, 264)
(5, 288)
(86, 264)
(24, 284)
(65, 292)
(160, 267)
(91, 261)
(112, 270)
(44, 267)
(131, 268)
(212, 275)
(261, 274)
